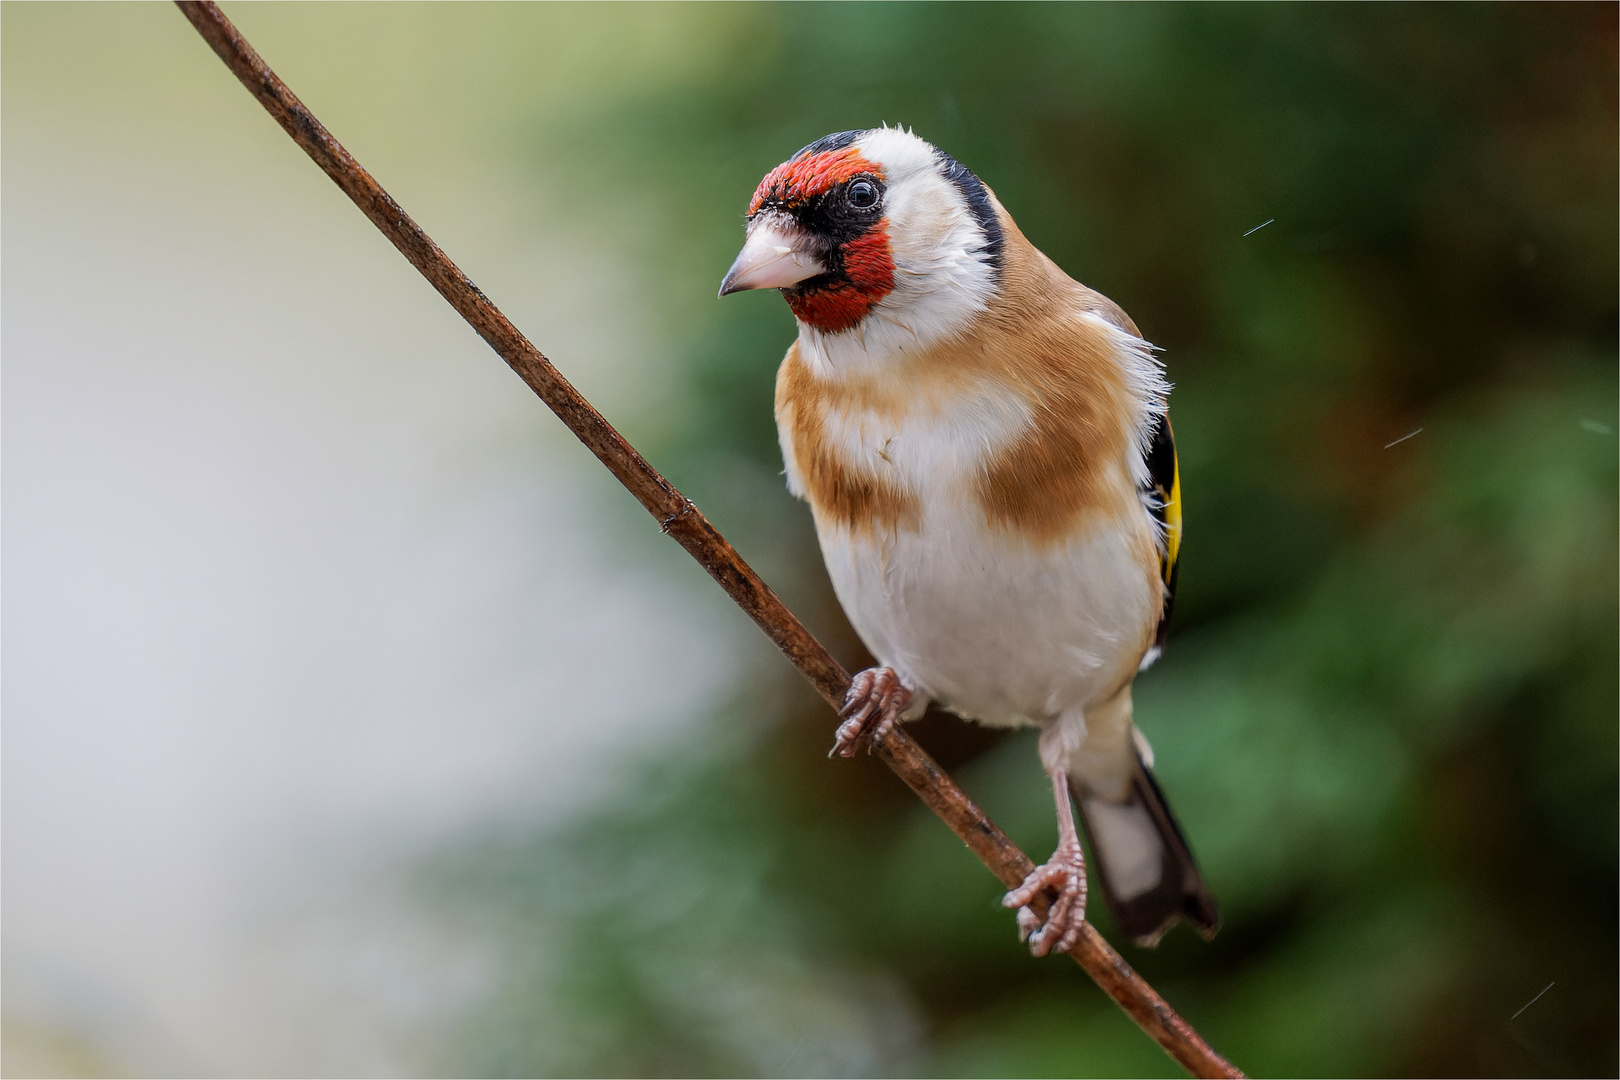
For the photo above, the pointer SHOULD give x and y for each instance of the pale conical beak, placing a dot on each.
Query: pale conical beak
(773, 258)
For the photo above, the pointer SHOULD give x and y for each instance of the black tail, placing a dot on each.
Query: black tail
(1147, 873)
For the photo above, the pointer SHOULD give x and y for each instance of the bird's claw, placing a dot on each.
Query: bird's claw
(1064, 876)
(1028, 923)
(872, 707)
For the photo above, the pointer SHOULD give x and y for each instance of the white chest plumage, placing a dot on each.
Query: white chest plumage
(989, 624)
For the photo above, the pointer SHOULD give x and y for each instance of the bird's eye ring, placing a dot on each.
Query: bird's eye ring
(862, 195)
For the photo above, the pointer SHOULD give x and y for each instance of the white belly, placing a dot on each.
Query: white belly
(985, 623)
(991, 628)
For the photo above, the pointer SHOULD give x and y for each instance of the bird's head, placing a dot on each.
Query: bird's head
(873, 225)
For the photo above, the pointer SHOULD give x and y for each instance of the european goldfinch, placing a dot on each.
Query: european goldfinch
(986, 449)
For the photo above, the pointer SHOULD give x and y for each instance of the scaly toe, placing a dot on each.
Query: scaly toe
(885, 725)
(873, 705)
(1071, 937)
(1060, 921)
(1064, 878)
(846, 740)
(859, 694)
(1040, 878)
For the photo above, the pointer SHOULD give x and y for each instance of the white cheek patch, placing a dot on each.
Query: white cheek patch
(941, 279)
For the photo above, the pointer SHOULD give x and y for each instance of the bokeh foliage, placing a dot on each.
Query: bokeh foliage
(1387, 717)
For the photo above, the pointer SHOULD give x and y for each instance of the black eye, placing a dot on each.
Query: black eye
(862, 194)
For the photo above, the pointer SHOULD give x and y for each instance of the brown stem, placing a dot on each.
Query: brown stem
(678, 517)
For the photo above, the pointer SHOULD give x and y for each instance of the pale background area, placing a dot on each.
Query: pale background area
(299, 579)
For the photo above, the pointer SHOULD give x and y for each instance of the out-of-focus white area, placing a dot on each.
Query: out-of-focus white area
(299, 580)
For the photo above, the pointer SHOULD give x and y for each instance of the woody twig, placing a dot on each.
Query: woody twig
(680, 519)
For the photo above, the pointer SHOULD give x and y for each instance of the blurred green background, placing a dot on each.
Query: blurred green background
(1387, 716)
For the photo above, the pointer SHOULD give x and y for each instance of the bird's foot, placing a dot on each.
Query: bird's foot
(1064, 876)
(872, 707)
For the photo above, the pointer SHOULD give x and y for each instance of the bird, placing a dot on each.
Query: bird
(986, 450)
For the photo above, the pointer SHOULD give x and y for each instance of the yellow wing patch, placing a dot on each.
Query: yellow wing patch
(1172, 519)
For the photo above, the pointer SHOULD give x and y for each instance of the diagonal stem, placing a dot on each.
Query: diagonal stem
(679, 518)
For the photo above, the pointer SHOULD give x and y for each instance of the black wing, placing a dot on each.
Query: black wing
(1163, 499)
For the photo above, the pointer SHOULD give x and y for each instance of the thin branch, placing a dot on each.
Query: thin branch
(678, 517)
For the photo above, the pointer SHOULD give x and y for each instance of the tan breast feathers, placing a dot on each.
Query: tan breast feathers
(1067, 457)
(837, 487)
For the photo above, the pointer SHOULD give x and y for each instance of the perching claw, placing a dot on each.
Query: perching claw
(875, 701)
